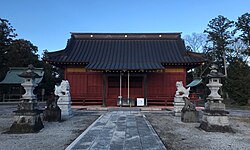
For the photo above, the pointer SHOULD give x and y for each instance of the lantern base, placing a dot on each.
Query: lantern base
(26, 121)
(215, 121)
(215, 106)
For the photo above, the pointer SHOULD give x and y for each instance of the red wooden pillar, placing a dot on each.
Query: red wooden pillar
(145, 89)
(104, 91)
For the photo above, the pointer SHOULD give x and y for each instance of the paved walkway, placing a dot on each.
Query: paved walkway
(119, 130)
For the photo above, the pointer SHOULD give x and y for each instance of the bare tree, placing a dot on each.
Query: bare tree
(239, 48)
(196, 42)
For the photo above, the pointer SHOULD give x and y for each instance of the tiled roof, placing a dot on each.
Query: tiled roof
(124, 51)
(13, 78)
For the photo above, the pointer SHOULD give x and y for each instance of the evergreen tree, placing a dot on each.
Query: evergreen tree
(6, 37)
(243, 25)
(21, 53)
(52, 76)
(220, 37)
(238, 81)
(15, 52)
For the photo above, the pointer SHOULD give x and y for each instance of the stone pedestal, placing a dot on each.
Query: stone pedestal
(215, 121)
(217, 106)
(64, 103)
(26, 122)
(215, 118)
(52, 114)
(27, 105)
(178, 105)
(189, 116)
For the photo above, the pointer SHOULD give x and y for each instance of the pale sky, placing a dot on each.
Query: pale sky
(48, 23)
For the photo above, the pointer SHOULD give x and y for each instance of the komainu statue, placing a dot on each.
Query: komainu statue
(64, 100)
(181, 91)
(188, 105)
(63, 89)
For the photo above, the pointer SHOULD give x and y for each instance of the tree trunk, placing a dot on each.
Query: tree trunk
(225, 63)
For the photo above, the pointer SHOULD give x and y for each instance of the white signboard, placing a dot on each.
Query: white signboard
(140, 101)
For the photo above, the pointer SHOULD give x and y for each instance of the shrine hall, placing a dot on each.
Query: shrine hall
(124, 69)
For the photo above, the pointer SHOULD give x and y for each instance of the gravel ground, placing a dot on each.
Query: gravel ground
(54, 135)
(177, 135)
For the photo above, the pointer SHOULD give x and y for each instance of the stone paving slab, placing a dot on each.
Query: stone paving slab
(119, 130)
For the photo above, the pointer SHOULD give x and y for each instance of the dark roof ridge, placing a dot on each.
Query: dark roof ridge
(76, 35)
(125, 33)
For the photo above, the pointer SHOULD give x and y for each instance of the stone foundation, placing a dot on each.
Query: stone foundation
(27, 105)
(64, 104)
(52, 114)
(178, 105)
(215, 128)
(26, 122)
(215, 121)
(215, 106)
(189, 116)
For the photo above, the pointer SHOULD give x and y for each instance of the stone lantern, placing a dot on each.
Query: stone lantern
(215, 118)
(29, 85)
(27, 117)
(214, 99)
